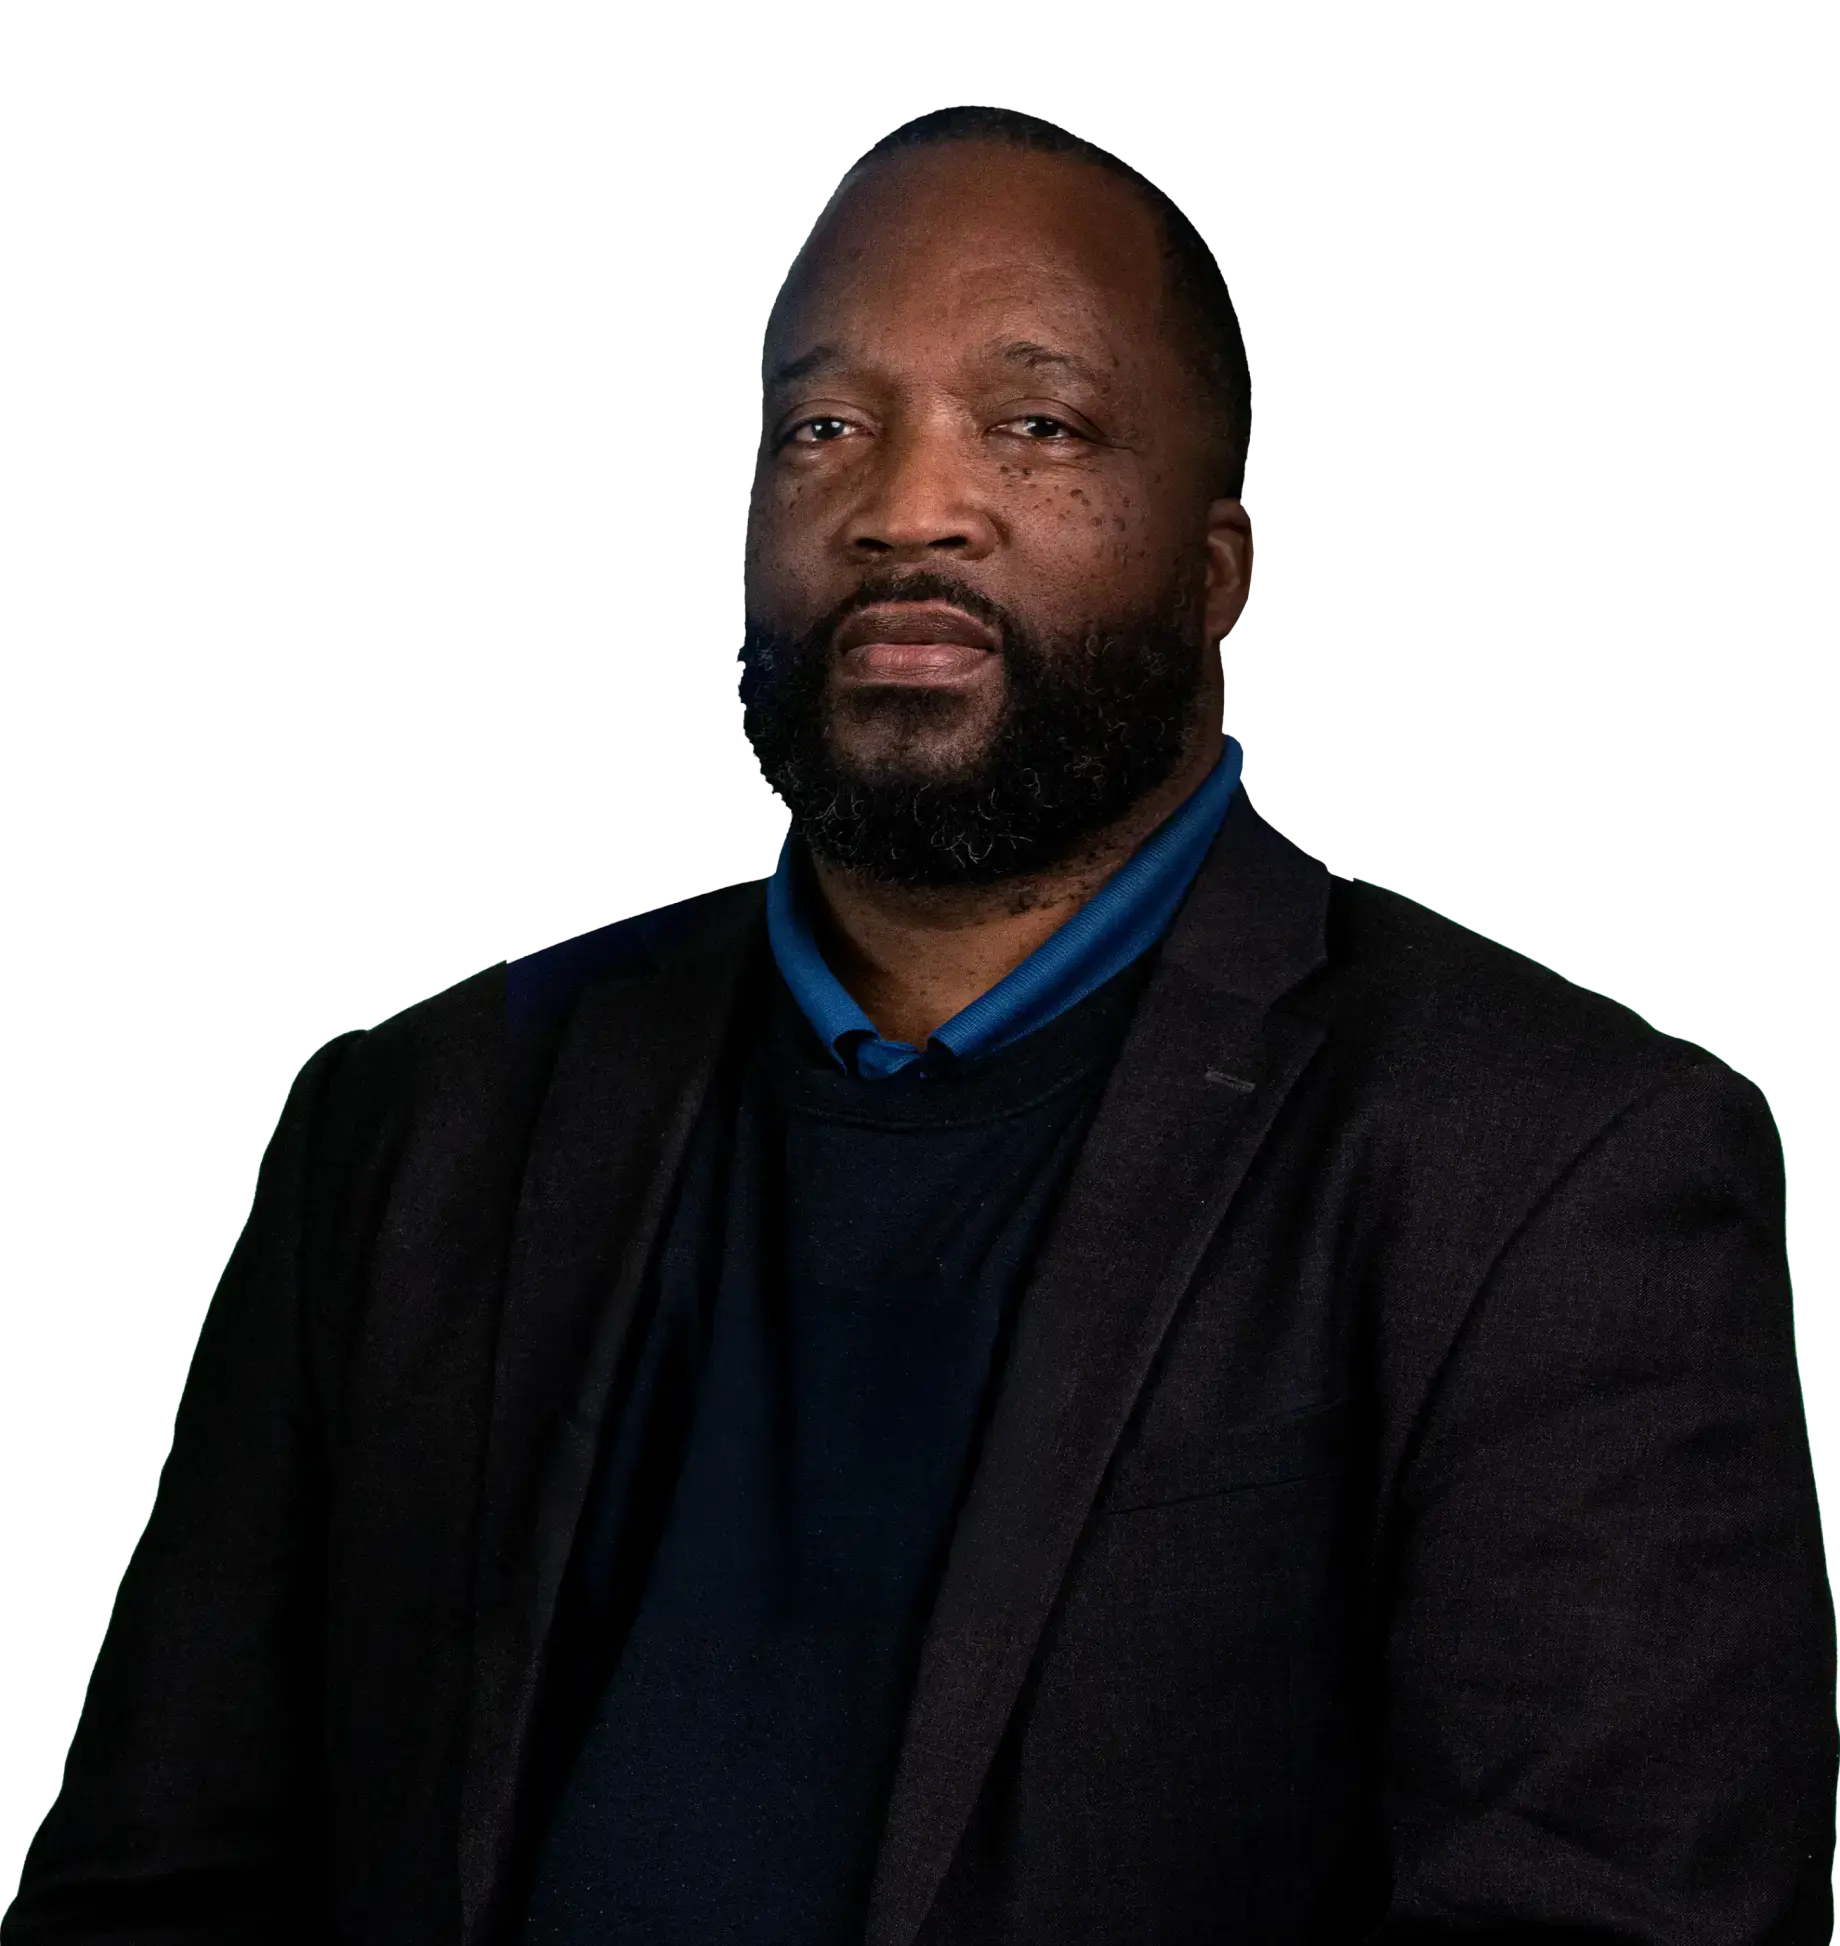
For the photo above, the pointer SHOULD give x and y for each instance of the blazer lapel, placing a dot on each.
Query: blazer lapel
(635, 1064)
(1201, 1077)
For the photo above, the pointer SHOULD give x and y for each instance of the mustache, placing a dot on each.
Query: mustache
(919, 584)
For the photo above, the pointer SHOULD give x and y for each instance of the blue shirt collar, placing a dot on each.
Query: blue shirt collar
(1123, 919)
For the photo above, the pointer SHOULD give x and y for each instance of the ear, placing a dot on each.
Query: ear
(1232, 567)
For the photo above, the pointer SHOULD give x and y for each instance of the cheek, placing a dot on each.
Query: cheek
(1092, 545)
(775, 596)
(782, 553)
(1072, 516)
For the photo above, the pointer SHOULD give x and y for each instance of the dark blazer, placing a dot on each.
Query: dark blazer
(1395, 1523)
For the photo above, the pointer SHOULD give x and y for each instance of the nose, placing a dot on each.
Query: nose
(921, 499)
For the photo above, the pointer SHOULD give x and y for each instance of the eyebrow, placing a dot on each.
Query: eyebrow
(998, 351)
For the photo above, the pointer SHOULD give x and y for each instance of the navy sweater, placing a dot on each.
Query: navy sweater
(800, 1417)
(774, 1502)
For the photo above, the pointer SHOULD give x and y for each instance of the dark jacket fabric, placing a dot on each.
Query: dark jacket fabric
(824, 1319)
(1394, 1523)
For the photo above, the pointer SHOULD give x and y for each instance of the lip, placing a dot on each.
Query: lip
(948, 664)
(915, 625)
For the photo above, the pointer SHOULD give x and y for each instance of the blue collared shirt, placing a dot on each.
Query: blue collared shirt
(1123, 919)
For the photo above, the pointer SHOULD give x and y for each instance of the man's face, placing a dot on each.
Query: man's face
(981, 594)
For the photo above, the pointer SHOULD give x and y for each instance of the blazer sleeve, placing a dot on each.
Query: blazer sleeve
(188, 1802)
(1609, 1644)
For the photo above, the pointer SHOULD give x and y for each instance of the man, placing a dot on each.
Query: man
(1053, 1373)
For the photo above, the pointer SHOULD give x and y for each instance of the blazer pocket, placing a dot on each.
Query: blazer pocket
(1157, 1470)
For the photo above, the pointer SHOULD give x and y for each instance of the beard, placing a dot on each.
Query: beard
(1090, 722)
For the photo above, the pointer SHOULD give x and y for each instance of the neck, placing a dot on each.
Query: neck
(914, 956)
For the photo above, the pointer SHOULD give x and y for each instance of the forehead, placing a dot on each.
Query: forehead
(970, 243)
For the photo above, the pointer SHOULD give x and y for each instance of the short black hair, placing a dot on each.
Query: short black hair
(1203, 312)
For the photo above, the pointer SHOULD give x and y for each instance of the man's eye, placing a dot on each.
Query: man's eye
(818, 432)
(1027, 419)
(821, 419)
(1039, 426)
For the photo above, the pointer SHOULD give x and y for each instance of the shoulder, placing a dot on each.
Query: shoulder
(543, 986)
(1464, 1062)
(1471, 1111)
(481, 1048)
(1410, 974)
